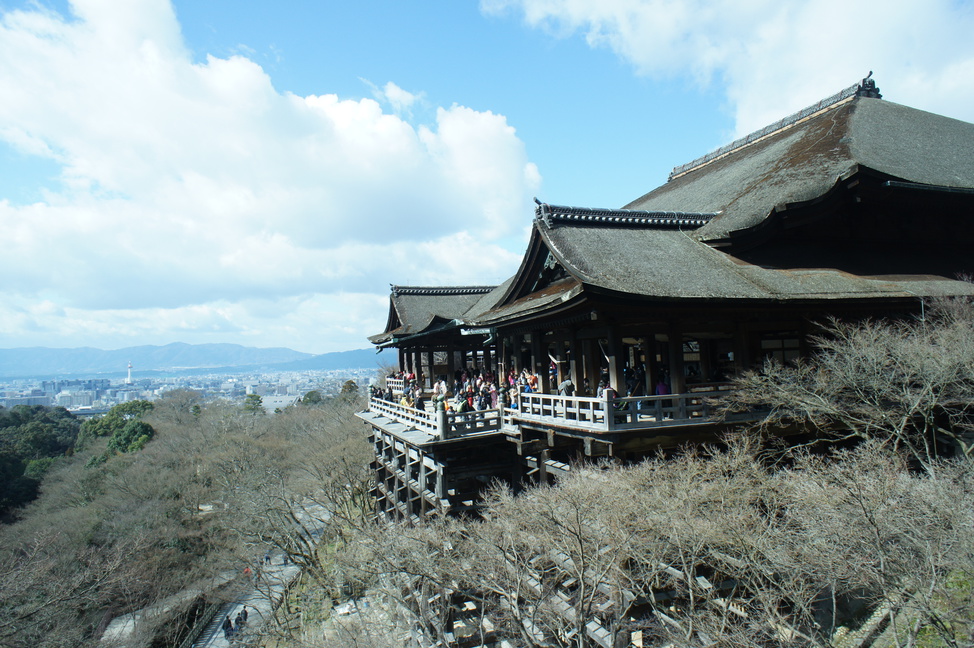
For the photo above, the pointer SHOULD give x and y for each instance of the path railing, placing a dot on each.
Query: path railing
(397, 385)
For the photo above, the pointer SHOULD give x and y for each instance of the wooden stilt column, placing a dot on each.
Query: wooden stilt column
(423, 503)
(543, 458)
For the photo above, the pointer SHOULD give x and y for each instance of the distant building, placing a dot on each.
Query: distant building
(13, 401)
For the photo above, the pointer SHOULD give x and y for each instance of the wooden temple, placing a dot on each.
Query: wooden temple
(853, 208)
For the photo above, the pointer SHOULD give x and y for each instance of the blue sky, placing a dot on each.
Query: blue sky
(598, 130)
(258, 173)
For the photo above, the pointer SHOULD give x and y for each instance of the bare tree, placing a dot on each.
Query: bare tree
(910, 383)
(712, 547)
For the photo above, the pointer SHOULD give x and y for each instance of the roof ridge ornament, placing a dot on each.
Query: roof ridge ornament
(555, 214)
(868, 88)
(440, 290)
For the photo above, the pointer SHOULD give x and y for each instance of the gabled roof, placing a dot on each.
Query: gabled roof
(549, 277)
(663, 246)
(641, 262)
(803, 160)
(417, 309)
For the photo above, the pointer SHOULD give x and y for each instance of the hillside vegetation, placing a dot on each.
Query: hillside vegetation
(132, 517)
(32, 438)
(866, 527)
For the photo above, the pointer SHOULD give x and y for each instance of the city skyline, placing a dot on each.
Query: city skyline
(255, 174)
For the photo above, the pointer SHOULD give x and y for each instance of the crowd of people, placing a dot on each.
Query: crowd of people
(471, 390)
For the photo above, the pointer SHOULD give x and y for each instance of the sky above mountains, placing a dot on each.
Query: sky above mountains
(259, 173)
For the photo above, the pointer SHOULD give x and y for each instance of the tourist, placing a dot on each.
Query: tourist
(566, 388)
(662, 389)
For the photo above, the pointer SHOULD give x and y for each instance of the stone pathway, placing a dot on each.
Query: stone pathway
(260, 599)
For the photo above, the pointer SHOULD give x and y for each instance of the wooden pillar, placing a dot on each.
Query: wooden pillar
(648, 347)
(543, 457)
(677, 379)
(562, 363)
(451, 357)
(707, 362)
(539, 361)
(544, 378)
(616, 362)
(402, 359)
(575, 362)
(440, 489)
(423, 487)
(591, 353)
(742, 348)
(427, 377)
(804, 332)
(488, 365)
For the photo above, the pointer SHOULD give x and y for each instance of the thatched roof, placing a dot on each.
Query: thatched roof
(803, 161)
(661, 264)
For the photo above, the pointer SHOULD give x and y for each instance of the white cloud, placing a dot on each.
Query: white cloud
(401, 100)
(190, 188)
(774, 57)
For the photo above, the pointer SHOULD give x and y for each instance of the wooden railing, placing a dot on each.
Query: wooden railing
(419, 419)
(601, 415)
(445, 425)
(397, 385)
(584, 413)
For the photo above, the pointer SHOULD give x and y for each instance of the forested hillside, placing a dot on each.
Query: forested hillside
(860, 534)
(32, 438)
(152, 501)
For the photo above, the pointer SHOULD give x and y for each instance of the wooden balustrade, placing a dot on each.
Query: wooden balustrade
(397, 385)
(629, 413)
(586, 413)
(449, 425)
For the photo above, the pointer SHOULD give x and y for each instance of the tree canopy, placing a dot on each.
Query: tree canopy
(31, 438)
(910, 383)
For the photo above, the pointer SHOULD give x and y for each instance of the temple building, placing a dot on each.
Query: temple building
(853, 208)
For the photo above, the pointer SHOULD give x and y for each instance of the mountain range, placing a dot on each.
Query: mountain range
(177, 359)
